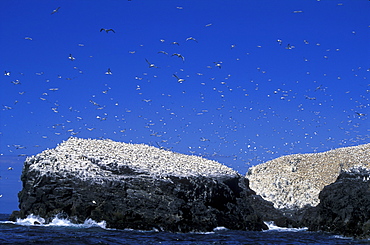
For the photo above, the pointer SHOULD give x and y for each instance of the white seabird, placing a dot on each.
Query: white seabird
(55, 10)
(150, 64)
(179, 80)
(108, 72)
(71, 57)
(179, 55)
(191, 38)
(218, 64)
(163, 52)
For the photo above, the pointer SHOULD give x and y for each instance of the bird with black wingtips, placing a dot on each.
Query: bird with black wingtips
(163, 52)
(151, 65)
(107, 30)
(179, 80)
(108, 72)
(218, 64)
(55, 10)
(191, 38)
(179, 55)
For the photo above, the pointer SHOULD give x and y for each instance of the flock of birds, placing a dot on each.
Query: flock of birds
(221, 130)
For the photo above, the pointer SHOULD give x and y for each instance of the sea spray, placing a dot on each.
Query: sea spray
(34, 220)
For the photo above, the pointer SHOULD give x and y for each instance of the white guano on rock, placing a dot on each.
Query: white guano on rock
(98, 159)
(294, 181)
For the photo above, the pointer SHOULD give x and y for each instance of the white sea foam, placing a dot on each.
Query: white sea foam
(272, 227)
(34, 220)
(220, 228)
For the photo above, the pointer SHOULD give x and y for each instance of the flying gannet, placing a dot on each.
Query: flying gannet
(179, 80)
(191, 38)
(150, 64)
(107, 30)
(179, 55)
(108, 72)
(55, 10)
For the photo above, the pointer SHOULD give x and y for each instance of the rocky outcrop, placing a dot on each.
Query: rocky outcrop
(135, 186)
(344, 206)
(295, 181)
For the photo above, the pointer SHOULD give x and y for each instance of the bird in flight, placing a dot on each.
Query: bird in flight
(360, 114)
(179, 80)
(150, 64)
(71, 57)
(191, 38)
(163, 52)
(289, 46)
(107, 30)
(55, 10)
(6, 73)
(179, 55)
(218, 64)
(108, 72)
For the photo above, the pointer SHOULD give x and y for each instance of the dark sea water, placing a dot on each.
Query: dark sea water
(61, 231)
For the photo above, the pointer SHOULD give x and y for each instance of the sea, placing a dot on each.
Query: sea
(34, 230)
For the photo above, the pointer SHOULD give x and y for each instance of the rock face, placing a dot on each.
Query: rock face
(295, 181)
(135, 186)
(344, 206)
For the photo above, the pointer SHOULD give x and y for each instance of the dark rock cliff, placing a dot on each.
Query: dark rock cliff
(174, 204)
(126, 197)
(344, 206)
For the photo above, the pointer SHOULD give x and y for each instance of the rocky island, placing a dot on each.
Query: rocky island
(344, 206)
(143, 187)
(135, 186)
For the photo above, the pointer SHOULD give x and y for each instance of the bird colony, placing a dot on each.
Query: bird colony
(295, 181)
(90, 158)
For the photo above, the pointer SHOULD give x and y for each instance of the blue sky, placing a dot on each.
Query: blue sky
(307, 92)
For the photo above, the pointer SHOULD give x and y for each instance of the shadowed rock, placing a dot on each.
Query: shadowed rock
(344, 206)
(135, 186)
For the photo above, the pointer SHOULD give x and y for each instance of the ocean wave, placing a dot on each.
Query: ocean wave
(34, 220)
(272, 227)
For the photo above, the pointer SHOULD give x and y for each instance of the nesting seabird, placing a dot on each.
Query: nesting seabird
(107, 30)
